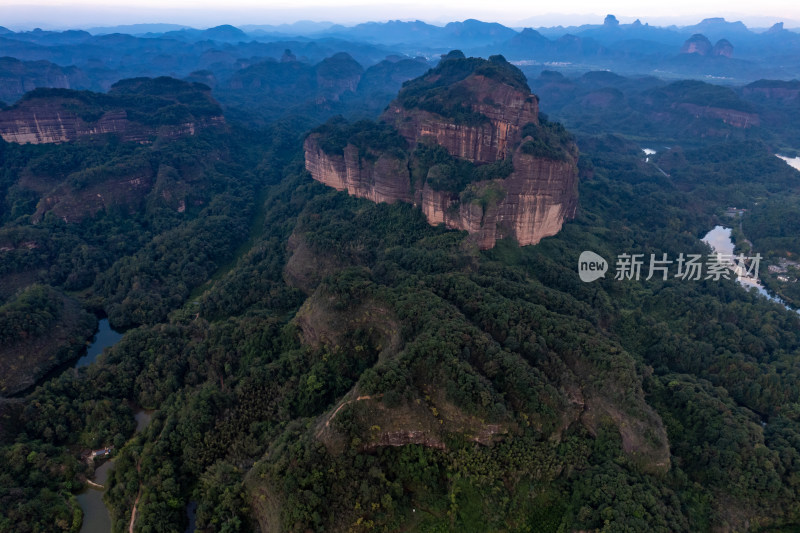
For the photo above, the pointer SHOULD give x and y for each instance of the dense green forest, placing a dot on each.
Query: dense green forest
(318, 362)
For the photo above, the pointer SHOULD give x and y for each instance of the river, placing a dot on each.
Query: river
(719, 239)
(793, 162)
(96, 518)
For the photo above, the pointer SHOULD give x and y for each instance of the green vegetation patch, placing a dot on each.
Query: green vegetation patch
(439, 92)
(149, 101)
(702, 94)
(549, 140)
(368, 136)
(433, 164)
(29, 315)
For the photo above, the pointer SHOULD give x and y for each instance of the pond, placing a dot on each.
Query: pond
(104, 338)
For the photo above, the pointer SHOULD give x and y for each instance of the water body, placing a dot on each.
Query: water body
(96, 518)
(793, 162)
(143, 418)
(719, 239)
(191, 512)
(104, 338)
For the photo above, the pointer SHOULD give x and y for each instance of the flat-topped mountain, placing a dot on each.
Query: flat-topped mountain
(138, 109)
(465, 143)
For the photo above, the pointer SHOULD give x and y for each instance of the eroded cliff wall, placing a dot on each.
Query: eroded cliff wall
(530, 204)
(42, 121)
(506, 109)
(385, 179)
(480, 118)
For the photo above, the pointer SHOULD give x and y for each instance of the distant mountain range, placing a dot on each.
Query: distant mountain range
(713, 50)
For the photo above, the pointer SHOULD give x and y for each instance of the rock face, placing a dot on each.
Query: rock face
(697, 44)
(529, 203)
(722, 48)
(384, 180)
(57, 116)
(506, 108)
(773, 90)
(732, 117)
(538, 196)
(47, 121)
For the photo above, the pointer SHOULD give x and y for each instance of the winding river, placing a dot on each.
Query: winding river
(96, 518)
(719, 239)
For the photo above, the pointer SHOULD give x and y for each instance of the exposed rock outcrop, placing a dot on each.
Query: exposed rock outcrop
(538, 196)
(732, 117)
(507, 109)
(722, 48)
(383, 180)
(48, 121)
(697, 44)
(57, 115)
(773, 90)
(529, 202)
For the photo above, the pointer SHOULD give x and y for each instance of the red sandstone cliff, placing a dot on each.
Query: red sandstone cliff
(46, 120)
(507, 109)
(136, 109)
(385, 180)
(732, 117)
(534, 202)
(535, 199)
(529, 204)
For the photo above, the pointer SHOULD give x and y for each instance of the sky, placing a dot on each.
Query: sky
(62, 14)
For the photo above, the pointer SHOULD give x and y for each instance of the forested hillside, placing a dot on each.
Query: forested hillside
(320, 362)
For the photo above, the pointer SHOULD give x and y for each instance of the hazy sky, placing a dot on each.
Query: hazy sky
(87, 13)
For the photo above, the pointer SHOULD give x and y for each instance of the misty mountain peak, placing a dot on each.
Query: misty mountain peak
(697, 44)
(225, 32)
(288, 56)
(453, 54)
(722, 48)
(776, 28)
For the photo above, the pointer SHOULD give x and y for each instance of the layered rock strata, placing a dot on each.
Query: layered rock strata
(40, 121)
(530, 203)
